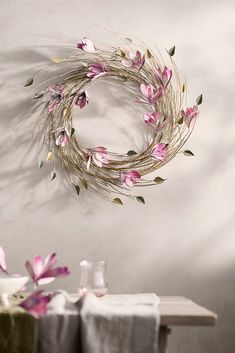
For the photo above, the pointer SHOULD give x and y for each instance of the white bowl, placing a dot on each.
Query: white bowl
(9, 286)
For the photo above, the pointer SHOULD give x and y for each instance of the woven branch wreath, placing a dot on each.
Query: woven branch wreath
(112, 175)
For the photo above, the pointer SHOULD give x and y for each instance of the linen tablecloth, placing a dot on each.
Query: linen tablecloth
(112, 324)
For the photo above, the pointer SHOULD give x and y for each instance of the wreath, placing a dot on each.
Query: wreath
(112, 175)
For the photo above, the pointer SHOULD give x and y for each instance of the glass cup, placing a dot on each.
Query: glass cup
(93, 278)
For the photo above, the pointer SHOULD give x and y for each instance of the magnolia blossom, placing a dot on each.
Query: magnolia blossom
(54, 96)
(159, 151)
(154, 119)
(97, 155)
(96, 70)
(45, 272)
(150, 93)
(151, 118)
(164, 76)
(3, 265)
(81, 99)
(189, 114)
(62, 137)
(130, 178)
(86, 45)
(36, 303)
(135, 60)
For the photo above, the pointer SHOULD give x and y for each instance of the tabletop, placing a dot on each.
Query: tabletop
(180, 311)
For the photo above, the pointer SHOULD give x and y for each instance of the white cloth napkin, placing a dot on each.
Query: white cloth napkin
(120, 323)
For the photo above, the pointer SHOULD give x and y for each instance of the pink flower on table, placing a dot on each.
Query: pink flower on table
(164, 76)
(150, 93)
(36, 303)
(63, 135)
(81, 99)
(86, 45)
(135, 60)
(130, 178)
(3, 264)
(97, 155)
(45, 272)
(159, 151)
(189, 114)
(96, 70)
(54, 96)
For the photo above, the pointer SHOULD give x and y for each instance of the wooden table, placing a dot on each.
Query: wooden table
(179, 311)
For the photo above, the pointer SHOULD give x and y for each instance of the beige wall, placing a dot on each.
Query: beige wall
(182, 241)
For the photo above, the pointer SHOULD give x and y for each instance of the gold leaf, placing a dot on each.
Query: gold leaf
(148, 54)
(56, 59)
(49, 156)
(117, 201)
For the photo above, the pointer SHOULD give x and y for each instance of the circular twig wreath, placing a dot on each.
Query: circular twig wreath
(109, 174)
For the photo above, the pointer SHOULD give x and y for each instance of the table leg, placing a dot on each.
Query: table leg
(162, 343)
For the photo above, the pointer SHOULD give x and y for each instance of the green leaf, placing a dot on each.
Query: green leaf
(122, 53)
(72, 131)
(117, 201)
(171, 51)
(131, 153)
(183, 88)
(53, 175)
(199, 99)
(148, 54)
(159, 180)
(29, 82)
(188, 153)
(40, 164)
(38, 95)
(123, 78)
(140, 199)
(84, 183)
(128, 40)
(77, 188)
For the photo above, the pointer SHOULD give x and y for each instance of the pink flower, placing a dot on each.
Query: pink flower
(36, 303)
(3, 265)
(151, 118)
(154, 119)
(86, 45)
(96, 70)
(189, 114)
(97, 155)
(150, 93)
(135, 60)
(130, 178)
(43, 273)
(81, 99)
(159, 151)
(164, 76)
(62, 138)
(54, 96)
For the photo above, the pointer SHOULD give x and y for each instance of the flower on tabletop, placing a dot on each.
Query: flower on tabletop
(62, 138)
(164, 76)
(45, 272)
(96, 70)
(3, 264)
(159, 151)
(86, 45)
(150, 93)
(135, 60)
(36, 303)
(81, 99)
(189, 114)
(130, 178)
(98, 155)
(54, 95)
